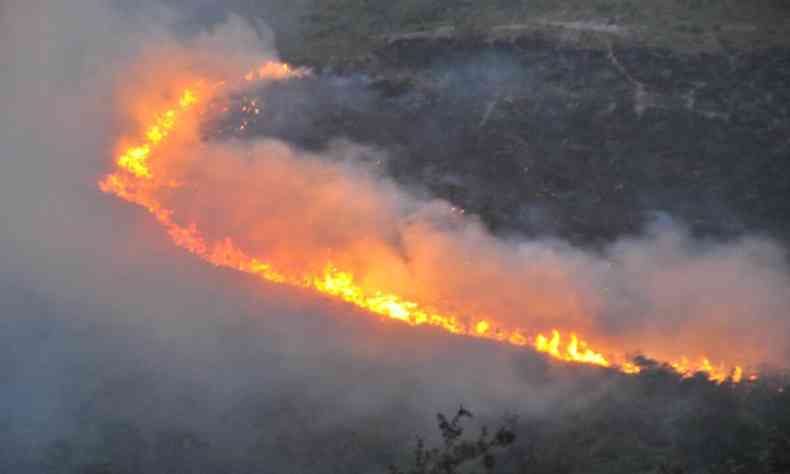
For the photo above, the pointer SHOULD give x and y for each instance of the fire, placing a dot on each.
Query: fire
(135, 179)
(135, 158)
(273, 70)
(134, 161)
(717, 373)
(574, 351)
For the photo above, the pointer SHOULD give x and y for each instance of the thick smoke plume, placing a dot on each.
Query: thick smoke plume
(95, 291)
(664, 294)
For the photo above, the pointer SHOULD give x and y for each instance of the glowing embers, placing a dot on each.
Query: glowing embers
(137, 181)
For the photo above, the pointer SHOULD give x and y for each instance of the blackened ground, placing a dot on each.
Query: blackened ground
(540, 139)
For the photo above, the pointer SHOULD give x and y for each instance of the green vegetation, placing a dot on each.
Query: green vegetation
(353, 28)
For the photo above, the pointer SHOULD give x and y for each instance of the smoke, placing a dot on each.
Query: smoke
(664, 293)
(103, 318)
(105, 323)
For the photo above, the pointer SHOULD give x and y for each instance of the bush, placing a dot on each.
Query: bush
(456, 451)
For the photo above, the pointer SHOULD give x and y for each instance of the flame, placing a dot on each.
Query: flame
(135, 180)
(274, 70)
(135, 158)
(716, 373)
(574, 351)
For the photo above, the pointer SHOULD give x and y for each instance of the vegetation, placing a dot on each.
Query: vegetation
(353, 28)
(661, 424)
(654, 423)
(456, 452)
(591, 421)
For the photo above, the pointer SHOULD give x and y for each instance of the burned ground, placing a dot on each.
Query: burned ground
(584, 144)
(154, 362)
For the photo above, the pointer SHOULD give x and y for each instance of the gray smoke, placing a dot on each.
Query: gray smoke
(104, 320)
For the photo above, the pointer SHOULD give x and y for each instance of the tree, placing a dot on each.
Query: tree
(456, 451)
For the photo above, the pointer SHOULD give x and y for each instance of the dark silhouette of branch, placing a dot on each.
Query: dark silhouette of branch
(457, 451)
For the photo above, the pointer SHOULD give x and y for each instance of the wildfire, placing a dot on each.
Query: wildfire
(135, 179)
(575, 351)
(274, 70)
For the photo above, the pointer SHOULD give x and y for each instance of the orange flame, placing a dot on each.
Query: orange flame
(135, 178)
(274, 70)
(574, 351)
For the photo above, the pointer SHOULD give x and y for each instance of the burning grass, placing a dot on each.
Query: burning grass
(152, 168)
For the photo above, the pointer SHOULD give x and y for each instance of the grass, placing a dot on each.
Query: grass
(342, 29)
